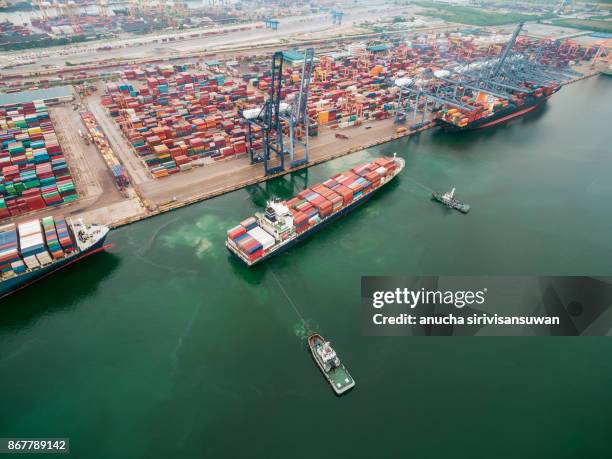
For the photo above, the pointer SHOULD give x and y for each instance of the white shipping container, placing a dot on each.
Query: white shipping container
(44, 258)
(32, 238)
(31, 241)
(31, 262)
(261, 236)
(28, 228)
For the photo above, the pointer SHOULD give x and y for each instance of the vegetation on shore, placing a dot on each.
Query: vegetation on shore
(43, 43)
(475, 16)
(585, 24)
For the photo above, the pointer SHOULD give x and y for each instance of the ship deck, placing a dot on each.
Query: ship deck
(340, 379)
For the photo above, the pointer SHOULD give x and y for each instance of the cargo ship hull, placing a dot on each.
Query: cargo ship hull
(296, 237)
(14, 284)
(499, 117)
(306, 234)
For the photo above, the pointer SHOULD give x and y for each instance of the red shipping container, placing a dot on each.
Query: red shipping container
(227, 151)
(236, 231)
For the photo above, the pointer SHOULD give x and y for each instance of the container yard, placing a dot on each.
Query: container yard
(184, 115)
(175, 122)
(172, 132)
(155, 122)
(110, 158)
(35, 174)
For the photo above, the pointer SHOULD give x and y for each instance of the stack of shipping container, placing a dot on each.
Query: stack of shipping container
(176, 118)
(33, 244)
(33, 171)
(313, 204)
(319, 201)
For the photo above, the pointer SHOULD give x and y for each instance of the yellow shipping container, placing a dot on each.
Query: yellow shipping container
(323, 117)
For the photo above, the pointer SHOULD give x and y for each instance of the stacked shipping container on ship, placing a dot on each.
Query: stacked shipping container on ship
(287, 222)
(34, 172)
(37, 248)
(490, 110)
(179, 118)
(346, 90)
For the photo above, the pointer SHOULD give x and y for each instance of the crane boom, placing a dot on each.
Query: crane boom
(507, 50)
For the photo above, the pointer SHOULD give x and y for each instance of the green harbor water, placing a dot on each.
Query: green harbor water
(166, 347)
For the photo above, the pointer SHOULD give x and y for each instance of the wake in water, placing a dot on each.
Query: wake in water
(198, 236)
(416, 182)
(301, 329)
(156, 233)
(142, 249)
(304, 329)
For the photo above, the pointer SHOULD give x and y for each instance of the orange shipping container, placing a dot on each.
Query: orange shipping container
(376, 70)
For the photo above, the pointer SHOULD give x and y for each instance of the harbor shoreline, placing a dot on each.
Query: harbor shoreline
(174, 205)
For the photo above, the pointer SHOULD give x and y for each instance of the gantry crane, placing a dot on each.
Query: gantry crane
(132, 8)
(102, 8)
(507, 50)
(501, 78)
(70, 10)
(269, 122)
(298, 118)
(179, 9)
(275, 115)
(337, 17)
(42, 7)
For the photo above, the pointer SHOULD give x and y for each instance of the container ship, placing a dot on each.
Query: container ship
(35, 249)
(491, 110)
(285, 223)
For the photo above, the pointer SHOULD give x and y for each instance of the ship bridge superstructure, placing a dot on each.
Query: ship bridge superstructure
(277, 220)
(328, 356)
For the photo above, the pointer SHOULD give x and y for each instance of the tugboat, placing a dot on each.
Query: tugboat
(334, 371)
(449, 200)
